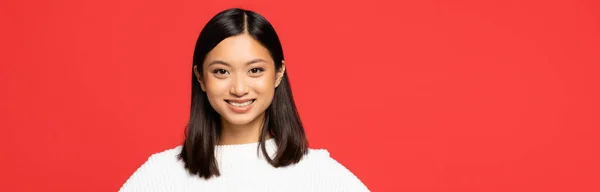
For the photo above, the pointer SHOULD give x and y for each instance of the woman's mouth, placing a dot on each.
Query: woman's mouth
(240, 106)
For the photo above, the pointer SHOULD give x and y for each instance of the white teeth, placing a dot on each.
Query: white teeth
(241, 104)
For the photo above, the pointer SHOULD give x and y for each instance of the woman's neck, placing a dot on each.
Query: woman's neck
(232, 134)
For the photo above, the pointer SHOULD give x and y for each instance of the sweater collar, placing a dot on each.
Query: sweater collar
(243, 152)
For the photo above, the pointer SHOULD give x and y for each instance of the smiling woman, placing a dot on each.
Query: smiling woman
(244, 132)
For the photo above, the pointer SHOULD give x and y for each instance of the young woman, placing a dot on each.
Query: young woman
(244, 133)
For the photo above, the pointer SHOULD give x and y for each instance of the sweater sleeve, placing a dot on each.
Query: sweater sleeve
(342, 178)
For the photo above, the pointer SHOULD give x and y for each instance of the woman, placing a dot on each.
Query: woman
(244, 133)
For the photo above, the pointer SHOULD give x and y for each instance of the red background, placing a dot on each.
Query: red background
(410, 96)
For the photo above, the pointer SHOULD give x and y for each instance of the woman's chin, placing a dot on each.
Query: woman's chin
(239, 119)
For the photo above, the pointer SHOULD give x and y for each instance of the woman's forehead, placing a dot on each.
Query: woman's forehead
(239, 49)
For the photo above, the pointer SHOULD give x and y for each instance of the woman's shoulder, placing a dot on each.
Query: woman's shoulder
(317, 154)
(166, 155)
(160, 168)
(326, 168)
(320, 156)
(163, 158)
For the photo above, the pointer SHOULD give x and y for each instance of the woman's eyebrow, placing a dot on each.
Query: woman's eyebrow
(227, 64)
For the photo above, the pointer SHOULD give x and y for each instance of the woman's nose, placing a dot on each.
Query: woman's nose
(239, 87)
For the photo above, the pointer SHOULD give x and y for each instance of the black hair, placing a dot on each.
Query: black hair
(281, 117)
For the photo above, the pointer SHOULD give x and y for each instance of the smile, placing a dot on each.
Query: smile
(240, 106)
(240, 103)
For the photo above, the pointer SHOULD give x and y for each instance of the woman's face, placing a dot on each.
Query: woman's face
(239, 78)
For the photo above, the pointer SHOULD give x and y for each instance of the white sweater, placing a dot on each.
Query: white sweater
(243, 169)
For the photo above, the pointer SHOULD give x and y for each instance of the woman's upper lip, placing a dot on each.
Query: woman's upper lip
(239, 100)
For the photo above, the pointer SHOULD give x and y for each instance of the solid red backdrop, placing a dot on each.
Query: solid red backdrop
(410, 96)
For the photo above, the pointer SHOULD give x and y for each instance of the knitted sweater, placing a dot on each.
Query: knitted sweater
(244, 169)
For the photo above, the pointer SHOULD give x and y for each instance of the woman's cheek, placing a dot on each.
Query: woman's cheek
(218, 85)
(264, 83)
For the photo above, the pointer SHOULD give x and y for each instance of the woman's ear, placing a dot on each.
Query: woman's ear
(280, 73)
(199, 77)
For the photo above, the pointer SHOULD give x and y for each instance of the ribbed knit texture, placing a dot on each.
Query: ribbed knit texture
(243, 169)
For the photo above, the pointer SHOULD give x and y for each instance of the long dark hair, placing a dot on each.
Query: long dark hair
(281, 117)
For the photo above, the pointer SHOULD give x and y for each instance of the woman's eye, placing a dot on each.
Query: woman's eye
(220, 71)
(256, 70)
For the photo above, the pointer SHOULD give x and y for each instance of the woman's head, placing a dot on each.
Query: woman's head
(239, 78)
